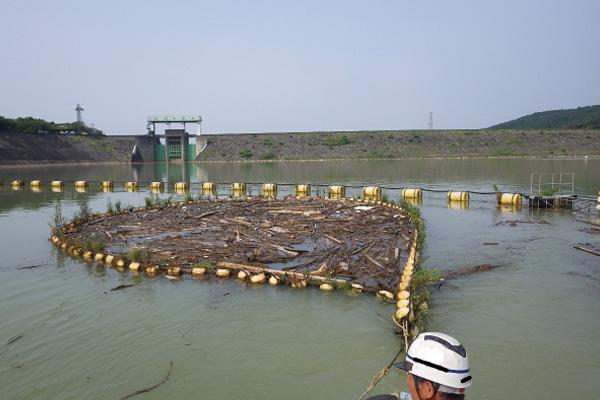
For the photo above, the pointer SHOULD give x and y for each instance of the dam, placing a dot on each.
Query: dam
(173, 145)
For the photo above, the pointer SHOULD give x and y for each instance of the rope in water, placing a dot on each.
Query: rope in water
(386, 370)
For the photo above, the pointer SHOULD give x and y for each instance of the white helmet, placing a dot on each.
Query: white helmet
(439, 358)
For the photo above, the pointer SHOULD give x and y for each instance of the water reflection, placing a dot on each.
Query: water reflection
(415, 201)
(510, 208)
(458, 205)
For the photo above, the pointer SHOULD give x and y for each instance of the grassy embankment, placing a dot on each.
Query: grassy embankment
(19, 149)
(402, 144)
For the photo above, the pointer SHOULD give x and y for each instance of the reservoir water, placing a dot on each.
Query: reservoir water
(530, 325)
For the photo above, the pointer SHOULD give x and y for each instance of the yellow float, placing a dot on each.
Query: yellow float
(153, 270)
(510, 198)
(302, 190)
(458, 196)
(403, 295)
(386, 294)
(412, 193)
(174, 271)
(402, 303)
(269, 189)
(258, 278)
(371, 192)
(402, 312)
(337, 191)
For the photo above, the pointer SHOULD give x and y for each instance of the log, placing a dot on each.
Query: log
(297, 212)
(587, 250)
(206, 214)
(469, 270)
(334, 239)
(286, 251)
(375, 262)
(120, 287)
(594, 287)
(366, 246)
(276, 247)
(97, 220)
(320, 270)
(275, 272)
(151, 387)
(587, 222)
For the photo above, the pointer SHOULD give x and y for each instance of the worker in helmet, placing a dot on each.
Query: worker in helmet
(438, 369)
(437, 366)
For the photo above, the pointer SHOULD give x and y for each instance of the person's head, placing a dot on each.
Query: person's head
(437, 366)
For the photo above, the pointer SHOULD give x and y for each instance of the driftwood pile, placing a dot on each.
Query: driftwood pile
(359, 242)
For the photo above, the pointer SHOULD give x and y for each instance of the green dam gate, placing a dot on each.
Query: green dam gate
(175, 145)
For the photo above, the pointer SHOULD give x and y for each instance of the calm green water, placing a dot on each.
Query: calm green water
(530, 326)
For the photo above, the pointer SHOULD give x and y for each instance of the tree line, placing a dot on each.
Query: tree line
(578, 118)
(38, 125)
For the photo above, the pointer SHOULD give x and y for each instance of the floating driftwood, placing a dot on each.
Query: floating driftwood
(468, 271)
(515, 222)
(120, 287)
(588, 222)
(340, 240)
(14, 338)
(587, 250)
(151, 387)
(594, 287)
(30, 267)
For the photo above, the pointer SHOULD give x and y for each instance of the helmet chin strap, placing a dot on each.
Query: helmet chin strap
(416, 387)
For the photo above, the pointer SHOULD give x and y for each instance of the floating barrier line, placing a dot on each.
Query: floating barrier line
(285, 184)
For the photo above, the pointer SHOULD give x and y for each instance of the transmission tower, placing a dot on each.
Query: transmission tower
(430, 120)
(79, 108)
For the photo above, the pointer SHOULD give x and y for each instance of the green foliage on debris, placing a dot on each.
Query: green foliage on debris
(84, 213)
(58, 220)
(94, 243)
(551, 191)
(139, 255)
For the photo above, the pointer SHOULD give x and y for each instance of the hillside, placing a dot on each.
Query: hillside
(579, 118)
(39, 148)
(402, 144)
(51, 148)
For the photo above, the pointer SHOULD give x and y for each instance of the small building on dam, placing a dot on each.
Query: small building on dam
(174, 145)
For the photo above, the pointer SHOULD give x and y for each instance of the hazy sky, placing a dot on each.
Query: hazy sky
(274, 66)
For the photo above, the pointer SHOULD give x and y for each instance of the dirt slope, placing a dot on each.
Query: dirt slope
(19, 149)
(24, 148)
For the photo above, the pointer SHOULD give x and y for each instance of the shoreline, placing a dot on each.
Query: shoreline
(23, 164)
(53, 149)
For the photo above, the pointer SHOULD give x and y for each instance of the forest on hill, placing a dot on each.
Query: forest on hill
(38, 125)
(578, 118)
